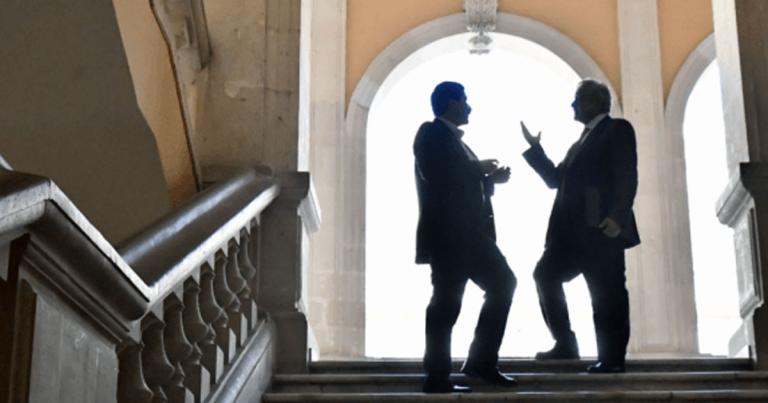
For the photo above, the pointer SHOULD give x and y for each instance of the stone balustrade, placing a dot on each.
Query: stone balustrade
(197, 332)
(172, 314)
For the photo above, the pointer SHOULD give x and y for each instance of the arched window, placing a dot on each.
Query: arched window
(518, 80)
(714, 263)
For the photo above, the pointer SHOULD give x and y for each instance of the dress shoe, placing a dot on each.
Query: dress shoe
(559, 352)
(491, 375)
(602, 367)
(444, 386)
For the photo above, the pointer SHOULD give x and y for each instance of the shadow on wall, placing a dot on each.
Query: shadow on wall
(68, 111)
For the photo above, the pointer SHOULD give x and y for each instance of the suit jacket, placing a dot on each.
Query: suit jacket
(595, 180)
(454, 194)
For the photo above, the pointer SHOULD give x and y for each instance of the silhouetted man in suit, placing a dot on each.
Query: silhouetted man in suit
(456, 236)
(590, 226)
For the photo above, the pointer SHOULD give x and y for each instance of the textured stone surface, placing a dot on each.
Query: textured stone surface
(660, 270)
(699, 380)
(740, 35)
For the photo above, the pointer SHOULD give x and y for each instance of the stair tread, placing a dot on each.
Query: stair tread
(656, 395)
(639, 361)
(511, 364)
(702, 379)
(630, 376)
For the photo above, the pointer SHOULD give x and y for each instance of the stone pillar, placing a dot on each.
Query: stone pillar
(740, 35)
(249, 112)
(285, 226)
(253, 111)
(660, 273)
(337, 294)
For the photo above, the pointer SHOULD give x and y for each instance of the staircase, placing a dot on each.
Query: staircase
(679, 380)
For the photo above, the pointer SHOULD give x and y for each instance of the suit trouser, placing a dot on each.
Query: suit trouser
(604, 270)
(485, 265)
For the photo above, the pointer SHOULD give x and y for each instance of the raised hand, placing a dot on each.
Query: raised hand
(532, 140)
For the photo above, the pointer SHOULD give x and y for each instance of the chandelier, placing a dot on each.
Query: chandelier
(481, 19)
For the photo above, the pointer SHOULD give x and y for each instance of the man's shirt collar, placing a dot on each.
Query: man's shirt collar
(595, 121)
(452, 127)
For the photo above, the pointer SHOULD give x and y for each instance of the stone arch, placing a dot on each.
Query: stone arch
(685, 80)
(351, 175)
(674, 117)
(526, 28)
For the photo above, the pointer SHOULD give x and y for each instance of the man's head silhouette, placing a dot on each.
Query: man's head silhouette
(450, 103)
(592, 98)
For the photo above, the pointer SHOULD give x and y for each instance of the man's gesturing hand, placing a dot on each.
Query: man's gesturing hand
(610, 228)
(500, 175)
(528, 136)
(488, 166)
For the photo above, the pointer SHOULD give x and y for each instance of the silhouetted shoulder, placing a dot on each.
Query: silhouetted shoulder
(423, 134)
(425, 127)
(622, 125)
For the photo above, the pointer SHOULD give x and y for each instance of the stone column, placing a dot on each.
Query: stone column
(740, 35)
(249, 111)
(285, 227)
(660, 273)
(337, 294)
(253, 112)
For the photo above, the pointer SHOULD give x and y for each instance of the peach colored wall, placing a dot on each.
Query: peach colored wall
(374, 24)
(593, 24)
(683, 24)
(155, 83)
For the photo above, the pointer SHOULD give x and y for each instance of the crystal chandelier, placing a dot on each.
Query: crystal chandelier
(481, 19)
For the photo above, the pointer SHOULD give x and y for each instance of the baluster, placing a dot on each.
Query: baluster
(227, 300)
(238, 321)
(131, 387)
(235, 279)
(195, 327)
(213, 355)
(158, 370)
(179, 349)
(201, 335)
(248, 271)
(254, 249)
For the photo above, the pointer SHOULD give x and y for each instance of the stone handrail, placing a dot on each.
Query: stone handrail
(109, 287)
(172, 248)
(168, 314)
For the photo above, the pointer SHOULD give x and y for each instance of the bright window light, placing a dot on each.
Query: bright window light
(714, 263)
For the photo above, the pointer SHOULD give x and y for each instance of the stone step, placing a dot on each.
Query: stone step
(527, 365)
(529, 382)
(655, 396)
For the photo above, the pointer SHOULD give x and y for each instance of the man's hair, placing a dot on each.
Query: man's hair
(596, 93)
(444, 93)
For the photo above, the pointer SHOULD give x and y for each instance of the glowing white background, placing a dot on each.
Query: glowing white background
(711, 242)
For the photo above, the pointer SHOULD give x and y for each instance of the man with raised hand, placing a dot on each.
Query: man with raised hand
(590, 226)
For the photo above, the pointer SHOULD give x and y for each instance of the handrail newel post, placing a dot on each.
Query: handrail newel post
(285, 227)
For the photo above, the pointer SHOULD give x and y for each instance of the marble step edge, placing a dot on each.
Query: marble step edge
(612, 396)
(357, 379)
(415, 365)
